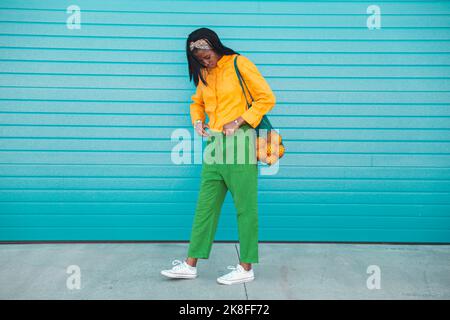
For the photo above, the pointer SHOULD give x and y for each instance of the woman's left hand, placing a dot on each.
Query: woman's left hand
(231, 127)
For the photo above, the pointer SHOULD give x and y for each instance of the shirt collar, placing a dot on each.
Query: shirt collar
(225, 58)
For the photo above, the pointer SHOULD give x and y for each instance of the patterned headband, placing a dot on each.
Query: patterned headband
(200, 44)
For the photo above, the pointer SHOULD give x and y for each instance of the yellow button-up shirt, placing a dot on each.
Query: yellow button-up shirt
(223, 100)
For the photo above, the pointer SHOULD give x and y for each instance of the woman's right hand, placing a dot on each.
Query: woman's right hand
(200, 128)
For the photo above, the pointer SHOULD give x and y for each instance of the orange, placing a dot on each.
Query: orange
(280, 151)
(274, 137)
(261, 154)
(271, 159)
(272, 148)
(261, 142)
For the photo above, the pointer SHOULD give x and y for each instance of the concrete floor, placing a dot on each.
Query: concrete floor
(286, 271)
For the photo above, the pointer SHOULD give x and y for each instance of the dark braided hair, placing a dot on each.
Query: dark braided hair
(194, 65)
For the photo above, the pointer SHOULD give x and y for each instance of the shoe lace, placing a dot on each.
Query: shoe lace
(235, 268)
(177, 263)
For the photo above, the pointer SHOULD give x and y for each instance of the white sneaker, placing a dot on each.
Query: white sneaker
(181, 270)
(238, 275)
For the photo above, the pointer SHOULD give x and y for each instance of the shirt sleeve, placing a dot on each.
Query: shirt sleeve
(197, 108)
(263, 97)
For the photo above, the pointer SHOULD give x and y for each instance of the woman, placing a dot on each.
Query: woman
(220, 96)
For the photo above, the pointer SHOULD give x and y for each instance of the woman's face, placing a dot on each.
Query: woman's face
(207, 57)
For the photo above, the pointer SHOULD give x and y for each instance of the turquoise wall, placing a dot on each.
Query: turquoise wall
(86, 117)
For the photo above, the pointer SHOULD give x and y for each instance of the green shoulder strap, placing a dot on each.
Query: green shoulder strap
(241, 79)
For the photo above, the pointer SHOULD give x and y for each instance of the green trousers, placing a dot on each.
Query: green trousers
(240, 177)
